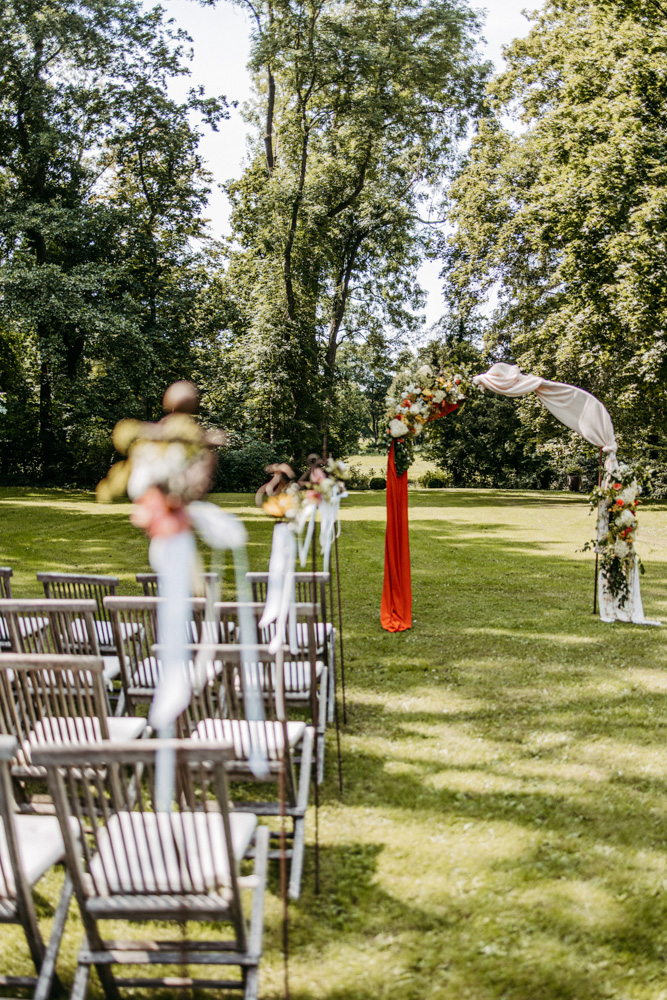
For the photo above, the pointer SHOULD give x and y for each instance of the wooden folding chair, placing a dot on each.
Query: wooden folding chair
(6, 574)
(305, 673)
(136, 863)
(50, 698)
(218, 712)
(311, 588)
(134, 621)
(148, 582)
(85, 587)
(29, 847)
(56, 626)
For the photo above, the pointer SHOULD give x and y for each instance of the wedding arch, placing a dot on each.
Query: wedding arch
(434, 396)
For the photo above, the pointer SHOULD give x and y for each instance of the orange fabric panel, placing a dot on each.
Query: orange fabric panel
(396, 610)
(396, 613)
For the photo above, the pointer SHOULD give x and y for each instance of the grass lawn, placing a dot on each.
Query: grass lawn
(378, 463)
(503, 830)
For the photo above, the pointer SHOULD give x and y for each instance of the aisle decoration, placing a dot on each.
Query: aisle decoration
(426, 397)
(293, 504)
(169, 468)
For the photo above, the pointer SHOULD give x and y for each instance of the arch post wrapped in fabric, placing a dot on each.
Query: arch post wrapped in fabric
(417, 407)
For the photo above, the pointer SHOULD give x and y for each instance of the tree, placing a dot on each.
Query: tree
(567, 216)
(100, 192)
(358, 109)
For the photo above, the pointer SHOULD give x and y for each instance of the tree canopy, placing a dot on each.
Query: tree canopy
(563, 215)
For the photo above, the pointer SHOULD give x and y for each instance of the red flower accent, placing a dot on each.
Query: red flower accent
(620, 503)
(618, 486)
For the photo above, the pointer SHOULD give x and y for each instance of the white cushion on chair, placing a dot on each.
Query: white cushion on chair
(40, 845)
(105, 631)
(168, 852)
(297, 675)
(81, 729)
(266, 737)
(322, 629)
(111, 668)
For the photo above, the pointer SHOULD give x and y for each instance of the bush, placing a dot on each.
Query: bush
(377, 483)
(357, 479)
(242, 470)
(432, 480)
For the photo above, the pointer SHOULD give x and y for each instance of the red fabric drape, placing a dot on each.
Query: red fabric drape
(396, 613)
(396, 610)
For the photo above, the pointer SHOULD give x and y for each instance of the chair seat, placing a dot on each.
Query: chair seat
(105, 631)
(266, 737)
(79, 730)
(27, 626)
(149, 672)
(111, 668)
(297, 674)
(168, 852)
(40, 845)
(322, 630)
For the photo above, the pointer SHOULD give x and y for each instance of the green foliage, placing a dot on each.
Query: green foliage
(242, 470)
(357, 108)
(377, 483)
(101, 194)
(483, 443)
(566, 216)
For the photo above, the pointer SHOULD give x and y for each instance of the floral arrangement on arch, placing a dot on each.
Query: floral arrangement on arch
(616, 502)
(426, 397)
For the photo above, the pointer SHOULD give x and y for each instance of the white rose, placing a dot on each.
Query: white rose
(417, 407)
(624, 519)
(438, 396)
(621, 549)
(628, 495)
(425, 371)
(397, 428)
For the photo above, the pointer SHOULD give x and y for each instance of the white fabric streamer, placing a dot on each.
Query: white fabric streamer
(280, 594)
(173, 559)
(574, 407)
(308, 521)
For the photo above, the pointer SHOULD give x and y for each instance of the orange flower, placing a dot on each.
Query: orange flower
(618, 486)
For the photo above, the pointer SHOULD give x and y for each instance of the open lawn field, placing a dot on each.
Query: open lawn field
(503, 827)
(378, 463)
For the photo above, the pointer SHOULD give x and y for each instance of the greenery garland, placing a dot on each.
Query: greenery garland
(616, 502)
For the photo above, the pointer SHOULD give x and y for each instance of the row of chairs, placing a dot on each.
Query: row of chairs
(54, 698)
(126, 860)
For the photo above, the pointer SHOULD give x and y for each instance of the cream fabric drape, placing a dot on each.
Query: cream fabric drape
(586, 415)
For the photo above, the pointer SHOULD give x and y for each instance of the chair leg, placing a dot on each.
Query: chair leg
(322, 725)
(251, 978)
(48, 983)
(332, 677)
(299, 840)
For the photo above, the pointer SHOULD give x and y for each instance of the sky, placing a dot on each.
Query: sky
(220, 44)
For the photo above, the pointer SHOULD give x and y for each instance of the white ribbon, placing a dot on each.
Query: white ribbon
(307, 520)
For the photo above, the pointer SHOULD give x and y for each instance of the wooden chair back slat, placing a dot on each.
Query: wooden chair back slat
(51, 626)
(48, 699)
(6, 574)
(134, 621)
(80, 586)
(149, 585)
